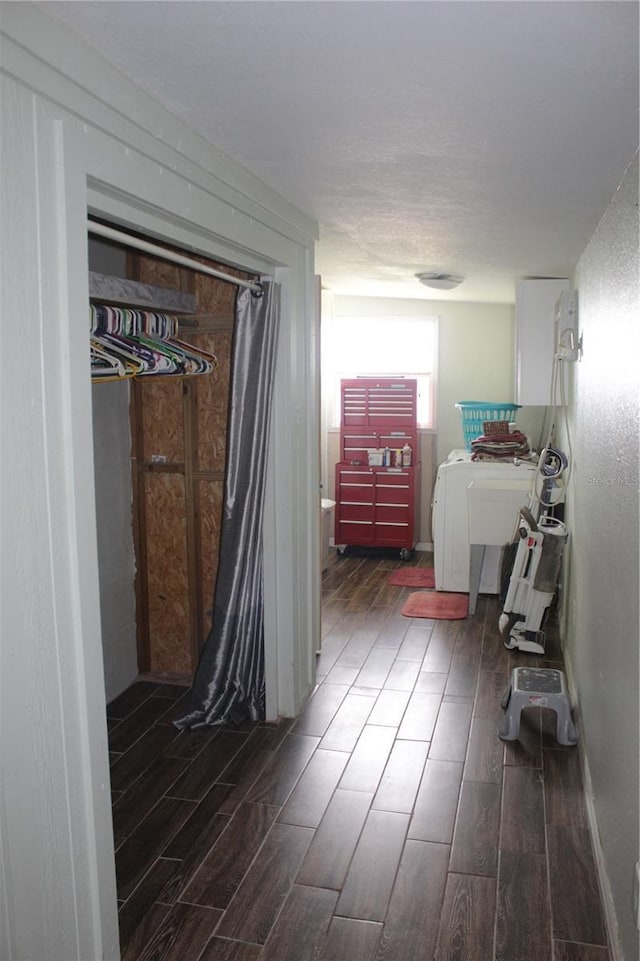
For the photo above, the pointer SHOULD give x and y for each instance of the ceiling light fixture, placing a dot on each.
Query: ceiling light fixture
(439, 281)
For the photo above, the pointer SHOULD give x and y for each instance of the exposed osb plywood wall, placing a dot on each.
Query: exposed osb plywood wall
(160, 273)
(184, 421)
(213, 402)
(167, 573)
(162, 420)
(210, 513)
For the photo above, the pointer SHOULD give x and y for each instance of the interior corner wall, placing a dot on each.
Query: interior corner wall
(475, 362)
(326, 461)
(114, 529)
(601, 576)
(114, 521)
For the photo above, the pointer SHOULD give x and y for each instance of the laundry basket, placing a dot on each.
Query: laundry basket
(474, 413)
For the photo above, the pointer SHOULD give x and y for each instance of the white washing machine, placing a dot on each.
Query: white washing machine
(450, 518)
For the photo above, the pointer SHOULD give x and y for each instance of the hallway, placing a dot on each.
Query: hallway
(387, 823)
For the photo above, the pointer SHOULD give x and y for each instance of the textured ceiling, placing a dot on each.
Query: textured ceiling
(480, 138)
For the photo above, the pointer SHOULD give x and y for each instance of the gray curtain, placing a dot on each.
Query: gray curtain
(228, 686)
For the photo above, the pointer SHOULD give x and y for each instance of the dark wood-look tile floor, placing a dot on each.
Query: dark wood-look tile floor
(387, 823)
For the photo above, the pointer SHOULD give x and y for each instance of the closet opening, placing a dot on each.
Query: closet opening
(159, 461)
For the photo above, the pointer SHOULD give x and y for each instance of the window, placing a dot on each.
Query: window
(380, 346)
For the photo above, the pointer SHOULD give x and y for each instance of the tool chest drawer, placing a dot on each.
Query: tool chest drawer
(396, 488)
(353, 486)
(355, 443)
(381, 402)
(376, 506)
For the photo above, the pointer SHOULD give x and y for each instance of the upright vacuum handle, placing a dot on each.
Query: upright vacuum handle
(529, 518)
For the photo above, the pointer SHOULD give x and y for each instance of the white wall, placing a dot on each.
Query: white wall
(600, 617)
(114, 527)
(114, 520)
(76, 137)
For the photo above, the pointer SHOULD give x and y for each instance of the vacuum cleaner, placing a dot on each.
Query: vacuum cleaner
(537, 558)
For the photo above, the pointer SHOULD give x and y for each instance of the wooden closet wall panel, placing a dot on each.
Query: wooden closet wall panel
(216, 305)
(162, 420)
(213, 403)
(180, 428)
(167, 573)
(216, 296)
(210, 494)
(160, 273)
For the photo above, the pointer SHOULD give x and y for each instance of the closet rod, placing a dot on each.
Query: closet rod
(121, 237)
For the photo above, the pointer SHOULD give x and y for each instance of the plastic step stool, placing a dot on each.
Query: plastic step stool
(537, 687)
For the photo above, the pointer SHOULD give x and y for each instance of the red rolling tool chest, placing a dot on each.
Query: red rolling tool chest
(377, 504)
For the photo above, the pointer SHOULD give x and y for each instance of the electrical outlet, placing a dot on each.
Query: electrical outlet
(635, 895)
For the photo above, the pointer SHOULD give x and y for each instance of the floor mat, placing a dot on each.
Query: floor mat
(413, 577)
(437, 604)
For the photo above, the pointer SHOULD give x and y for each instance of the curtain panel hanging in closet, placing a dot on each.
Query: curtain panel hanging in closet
(229, 684)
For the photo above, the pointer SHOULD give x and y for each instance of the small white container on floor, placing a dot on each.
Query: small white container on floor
(327, 509)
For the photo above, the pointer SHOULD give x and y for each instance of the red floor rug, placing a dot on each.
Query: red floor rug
(413, 577)
(437, 605)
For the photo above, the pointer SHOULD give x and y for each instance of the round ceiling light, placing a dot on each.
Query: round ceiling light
(439, 281)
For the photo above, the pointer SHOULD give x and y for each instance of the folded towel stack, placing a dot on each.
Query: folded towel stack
(500, 446)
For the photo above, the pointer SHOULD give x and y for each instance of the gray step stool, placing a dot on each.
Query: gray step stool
(537, 687)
